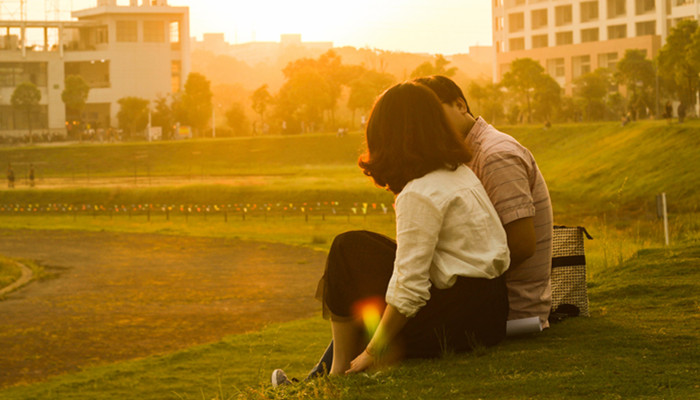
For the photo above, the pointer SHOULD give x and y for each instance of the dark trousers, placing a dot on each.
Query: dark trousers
(470, 313)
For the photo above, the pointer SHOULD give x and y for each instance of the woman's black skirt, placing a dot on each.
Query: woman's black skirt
(471, 313)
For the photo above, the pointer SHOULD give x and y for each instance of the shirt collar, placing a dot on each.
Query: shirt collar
(476, 134)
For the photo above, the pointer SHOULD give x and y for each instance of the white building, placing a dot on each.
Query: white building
(139, 50)
(572, 37)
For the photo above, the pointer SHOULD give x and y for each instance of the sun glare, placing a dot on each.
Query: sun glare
(447, 27)
(370, 313)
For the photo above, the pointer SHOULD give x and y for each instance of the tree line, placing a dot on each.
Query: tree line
(314, 88)
(528, 94)
(312, 92)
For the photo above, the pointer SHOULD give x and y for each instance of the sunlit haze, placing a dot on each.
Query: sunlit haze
(418, 26)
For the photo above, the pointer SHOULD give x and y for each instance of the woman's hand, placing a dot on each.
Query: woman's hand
(360, 363)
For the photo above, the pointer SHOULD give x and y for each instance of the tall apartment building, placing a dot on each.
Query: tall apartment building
(137, 50)
(572, 37)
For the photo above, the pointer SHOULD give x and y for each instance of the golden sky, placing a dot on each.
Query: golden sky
(420, 26)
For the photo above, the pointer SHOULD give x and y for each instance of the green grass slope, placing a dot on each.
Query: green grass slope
(593, 167)
(590, 168)
(257, 155)
(642, 341)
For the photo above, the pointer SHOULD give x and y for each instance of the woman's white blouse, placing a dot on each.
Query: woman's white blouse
(446, 227)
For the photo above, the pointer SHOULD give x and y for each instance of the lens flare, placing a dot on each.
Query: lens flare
(370, 312)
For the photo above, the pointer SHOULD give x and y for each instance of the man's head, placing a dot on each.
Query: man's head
(453, 101)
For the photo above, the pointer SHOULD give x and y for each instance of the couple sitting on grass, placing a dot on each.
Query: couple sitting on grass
(473, 237)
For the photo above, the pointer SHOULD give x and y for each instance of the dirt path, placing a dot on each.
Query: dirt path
(116, 296)
(24, 278)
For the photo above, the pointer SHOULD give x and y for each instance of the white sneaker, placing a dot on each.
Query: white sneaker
(279, 378)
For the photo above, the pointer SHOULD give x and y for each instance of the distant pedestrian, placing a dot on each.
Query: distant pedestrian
(627, 118)
(31, 175)
(10, 176)
(681, 112)
(668, 113)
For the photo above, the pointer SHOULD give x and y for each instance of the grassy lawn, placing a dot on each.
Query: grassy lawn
(642, 340)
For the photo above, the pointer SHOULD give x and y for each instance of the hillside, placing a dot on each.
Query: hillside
(589, 167)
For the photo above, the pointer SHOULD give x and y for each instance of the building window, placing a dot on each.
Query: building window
(617, 8)
(499, 23)
(154, 31)
(645, 6)
(14, 73)
(607, 60)
(589, 35)
(516, 22)
(564, 38)
(516, 44)
(500, 47)
(539, 18)
(617, 32)
(175, 75)
(563, 15)
(539, 41)
(519, 2)
(646, 28)
(175, 35)
(683, 2)
(95, 72)
(127, 31)
(581, 65)
(498, 3)
(589, 11)
(555, 67)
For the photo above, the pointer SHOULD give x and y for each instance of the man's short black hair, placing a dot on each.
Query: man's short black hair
(447, 91)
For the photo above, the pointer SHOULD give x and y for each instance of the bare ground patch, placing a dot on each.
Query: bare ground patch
(112, 296)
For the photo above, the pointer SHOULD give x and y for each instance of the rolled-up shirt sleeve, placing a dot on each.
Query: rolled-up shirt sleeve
(418, 223)
(506, 180)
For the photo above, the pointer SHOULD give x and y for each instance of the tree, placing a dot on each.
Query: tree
(637, 74)
(132, 115)
(567, 110)
(527, 80)
(196, 102)
(312, 89)
(237, 120)
(427, 69)
(365, 89)
(304, 96)
(546, 98)
(163, 116)
(75, 96)
(24, 98)
(693, 55)
(261, 99)
(677, 61)
(487, 99)
(590, 90)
